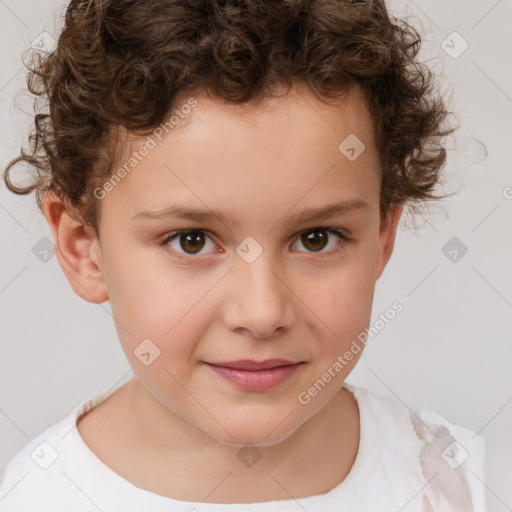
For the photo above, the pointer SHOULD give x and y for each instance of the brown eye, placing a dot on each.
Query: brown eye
(190, 242)
(317, 239)
(314, 240)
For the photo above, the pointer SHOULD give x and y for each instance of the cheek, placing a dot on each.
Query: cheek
(343, 298)
(341, 312)
(340, 309)
(166, 307)
(145, 292)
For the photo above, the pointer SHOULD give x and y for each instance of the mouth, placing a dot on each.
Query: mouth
(249, 365)
(256, 375)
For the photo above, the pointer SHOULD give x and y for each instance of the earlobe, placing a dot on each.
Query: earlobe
(78, 250)
(387, 237)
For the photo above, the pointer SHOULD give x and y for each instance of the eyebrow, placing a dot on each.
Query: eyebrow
(310, 214)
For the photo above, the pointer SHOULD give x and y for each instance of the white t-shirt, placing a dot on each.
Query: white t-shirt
(403, 459)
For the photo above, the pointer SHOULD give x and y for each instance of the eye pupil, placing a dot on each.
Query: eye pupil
(194, 239)
(312, 237)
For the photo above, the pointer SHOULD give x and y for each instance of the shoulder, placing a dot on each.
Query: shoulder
(452, 460)
(33, 471)
(44, 469)
(448, 457)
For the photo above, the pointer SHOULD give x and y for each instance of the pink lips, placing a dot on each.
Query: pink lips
(254, 375)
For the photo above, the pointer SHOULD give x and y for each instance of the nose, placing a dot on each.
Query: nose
(258, 299)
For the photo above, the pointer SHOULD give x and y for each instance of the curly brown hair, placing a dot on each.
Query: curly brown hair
(125, 63)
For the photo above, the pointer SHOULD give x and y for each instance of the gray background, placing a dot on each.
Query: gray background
(449, 350)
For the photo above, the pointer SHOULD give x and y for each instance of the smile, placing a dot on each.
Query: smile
(255, 379)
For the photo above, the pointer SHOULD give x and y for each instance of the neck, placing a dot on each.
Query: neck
(192, 466)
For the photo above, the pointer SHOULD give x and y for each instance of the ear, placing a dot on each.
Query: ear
(78, 250)
(387, 235)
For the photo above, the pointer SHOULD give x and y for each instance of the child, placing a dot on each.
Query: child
(287, 137)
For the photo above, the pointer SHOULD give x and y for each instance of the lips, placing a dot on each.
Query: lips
(247, 364)
(256, 376)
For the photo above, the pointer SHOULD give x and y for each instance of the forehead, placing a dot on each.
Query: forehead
(283, 152)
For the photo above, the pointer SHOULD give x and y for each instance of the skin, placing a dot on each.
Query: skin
(177, 427)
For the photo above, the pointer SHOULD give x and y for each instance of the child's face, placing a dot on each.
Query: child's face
(299, 300)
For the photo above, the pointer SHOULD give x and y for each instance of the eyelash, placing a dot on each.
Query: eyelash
(333, 231)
